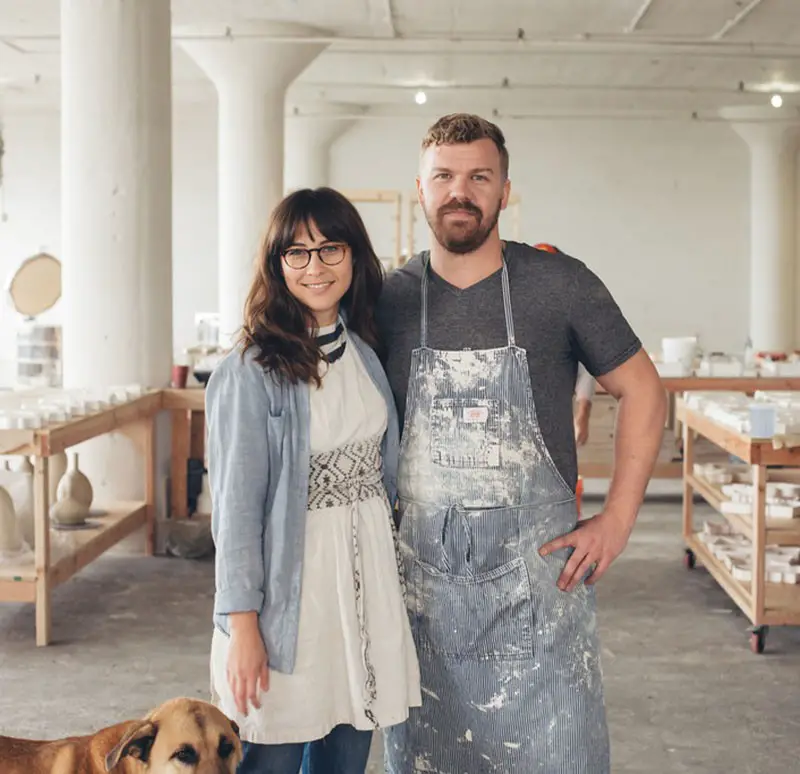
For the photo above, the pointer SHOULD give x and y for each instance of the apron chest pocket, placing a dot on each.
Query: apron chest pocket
(465, 433)
(480, 617)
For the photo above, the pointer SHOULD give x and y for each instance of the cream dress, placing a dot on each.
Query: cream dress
(356, 662)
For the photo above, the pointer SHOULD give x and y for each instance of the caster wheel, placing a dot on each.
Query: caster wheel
(758, 638)
(689, 560)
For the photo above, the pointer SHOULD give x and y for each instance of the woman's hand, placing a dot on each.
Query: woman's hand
(248, 670)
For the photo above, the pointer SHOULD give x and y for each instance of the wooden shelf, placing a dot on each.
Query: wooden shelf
(755, 452)
(764, 603)
(663, 470)
(33, 579)
(781, 606)
(108, 527)
(779, 532)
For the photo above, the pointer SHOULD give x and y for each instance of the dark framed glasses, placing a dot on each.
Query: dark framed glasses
(300, 257)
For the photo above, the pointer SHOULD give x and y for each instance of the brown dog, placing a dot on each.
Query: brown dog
(182, 736)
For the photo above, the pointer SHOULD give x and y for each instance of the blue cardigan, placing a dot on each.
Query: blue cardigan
(258, 460)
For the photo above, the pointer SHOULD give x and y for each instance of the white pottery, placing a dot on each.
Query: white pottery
(68, 512)
(10, 533)
(74, 484)
(57, 467)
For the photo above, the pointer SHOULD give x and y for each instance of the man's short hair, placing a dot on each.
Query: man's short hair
(457, 128)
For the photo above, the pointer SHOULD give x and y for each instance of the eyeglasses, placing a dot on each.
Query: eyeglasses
(300, 257)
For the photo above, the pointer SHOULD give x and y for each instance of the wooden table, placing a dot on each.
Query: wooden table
(188, 442)
(764, 603)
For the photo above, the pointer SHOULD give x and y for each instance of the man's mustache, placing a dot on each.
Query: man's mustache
(456, 206)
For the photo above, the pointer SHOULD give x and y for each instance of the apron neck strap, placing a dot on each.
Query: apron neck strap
(506, 303)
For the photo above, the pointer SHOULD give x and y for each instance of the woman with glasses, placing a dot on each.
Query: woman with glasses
(312, 648)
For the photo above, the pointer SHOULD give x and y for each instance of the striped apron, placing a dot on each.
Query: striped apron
(510, 664)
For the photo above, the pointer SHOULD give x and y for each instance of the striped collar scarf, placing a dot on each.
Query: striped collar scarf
(331, 340)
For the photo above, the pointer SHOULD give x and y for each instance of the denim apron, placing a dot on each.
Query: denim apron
(510, 666)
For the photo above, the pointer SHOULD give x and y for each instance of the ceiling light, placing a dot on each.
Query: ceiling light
(772, 87)
(420, 98)
(776, 100)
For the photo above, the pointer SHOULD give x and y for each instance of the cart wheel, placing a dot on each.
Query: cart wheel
(689, 560)
(758, 637)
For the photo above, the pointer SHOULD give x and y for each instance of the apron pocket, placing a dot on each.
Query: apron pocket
(465, 433)
(480, 617)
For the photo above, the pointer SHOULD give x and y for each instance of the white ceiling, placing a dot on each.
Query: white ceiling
(674, 58)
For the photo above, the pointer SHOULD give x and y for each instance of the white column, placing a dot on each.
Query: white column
(308, 143)
(116, 192)
(251, 77)
(116, 213)
(771, 135)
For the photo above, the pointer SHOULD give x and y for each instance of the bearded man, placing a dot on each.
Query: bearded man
(481, 341)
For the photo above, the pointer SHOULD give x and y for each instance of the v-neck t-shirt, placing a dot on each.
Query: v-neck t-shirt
(563, 315)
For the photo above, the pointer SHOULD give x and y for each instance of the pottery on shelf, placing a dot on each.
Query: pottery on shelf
(75, 485)
(20, 488)
(57, 467)
(21, 465)
(68, 512)
(10, 534)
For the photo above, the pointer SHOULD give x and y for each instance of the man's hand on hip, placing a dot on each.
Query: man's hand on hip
(597, 542)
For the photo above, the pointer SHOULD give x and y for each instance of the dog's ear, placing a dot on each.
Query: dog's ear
(136, 743)
(235, 727)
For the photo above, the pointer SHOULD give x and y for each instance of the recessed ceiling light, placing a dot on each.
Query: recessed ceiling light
(776, 100)
(420, 98)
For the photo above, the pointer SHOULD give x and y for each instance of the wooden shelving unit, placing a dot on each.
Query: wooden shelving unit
(34, 581)
(764, 603)
(596, 459)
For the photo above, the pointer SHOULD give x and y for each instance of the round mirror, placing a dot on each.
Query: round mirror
(36, 285)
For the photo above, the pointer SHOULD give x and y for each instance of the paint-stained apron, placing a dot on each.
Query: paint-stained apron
(510, 665)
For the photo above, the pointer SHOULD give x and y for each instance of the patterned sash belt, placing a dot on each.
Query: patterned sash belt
(347, 475)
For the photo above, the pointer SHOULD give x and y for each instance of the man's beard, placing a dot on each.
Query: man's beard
(469, 235)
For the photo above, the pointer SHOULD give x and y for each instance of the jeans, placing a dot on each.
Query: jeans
(343, 751)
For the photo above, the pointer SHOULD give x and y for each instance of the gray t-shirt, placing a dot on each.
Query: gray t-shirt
(563, 315)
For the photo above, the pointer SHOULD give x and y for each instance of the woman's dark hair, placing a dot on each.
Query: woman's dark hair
(277, 323)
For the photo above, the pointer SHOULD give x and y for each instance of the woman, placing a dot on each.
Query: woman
(312, 647)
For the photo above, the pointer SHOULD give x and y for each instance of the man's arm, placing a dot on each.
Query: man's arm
(612, 352)
(640, 428)
(598, 541)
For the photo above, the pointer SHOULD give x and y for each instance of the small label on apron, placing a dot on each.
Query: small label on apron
(473, 414)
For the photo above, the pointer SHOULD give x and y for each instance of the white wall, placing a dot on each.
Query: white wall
(32, 198)
(658, 210)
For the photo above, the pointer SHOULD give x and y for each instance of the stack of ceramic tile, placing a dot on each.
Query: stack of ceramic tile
(735, 551)
(732, 409)
(782, 500)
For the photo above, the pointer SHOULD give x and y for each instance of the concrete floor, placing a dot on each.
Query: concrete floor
(684, 692)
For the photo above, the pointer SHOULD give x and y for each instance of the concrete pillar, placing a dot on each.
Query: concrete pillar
(308, 143)
(251, 76)
(772, 138)
(116, 192)
(116, 213)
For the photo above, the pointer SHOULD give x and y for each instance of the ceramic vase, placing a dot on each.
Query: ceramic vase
(10, 534)
(74, 484)
(57, 467)
(21, 491)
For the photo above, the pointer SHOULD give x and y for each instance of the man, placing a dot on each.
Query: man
(482, 340)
